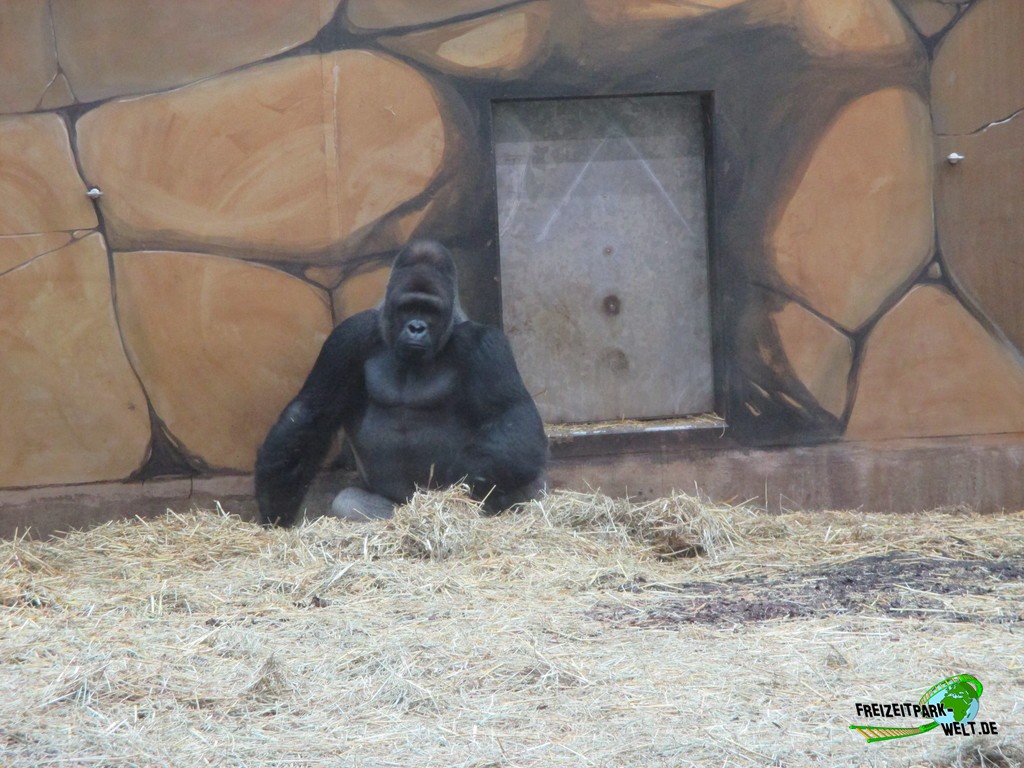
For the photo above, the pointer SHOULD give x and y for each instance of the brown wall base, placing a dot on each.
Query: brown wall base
(982, 473)
(57, 509)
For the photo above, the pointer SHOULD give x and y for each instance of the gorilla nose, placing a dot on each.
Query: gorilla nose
(416, 327)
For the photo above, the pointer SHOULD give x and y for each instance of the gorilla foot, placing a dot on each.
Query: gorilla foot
(357, 504)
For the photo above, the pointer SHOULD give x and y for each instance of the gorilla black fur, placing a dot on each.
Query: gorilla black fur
(426, 397)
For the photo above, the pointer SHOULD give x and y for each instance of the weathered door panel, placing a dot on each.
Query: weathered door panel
(604, 262)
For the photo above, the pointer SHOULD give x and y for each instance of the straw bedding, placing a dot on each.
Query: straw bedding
(579, 631)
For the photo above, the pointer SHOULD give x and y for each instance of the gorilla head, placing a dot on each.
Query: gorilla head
(421, 302)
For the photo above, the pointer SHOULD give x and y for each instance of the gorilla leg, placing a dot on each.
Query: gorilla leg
(357, 504)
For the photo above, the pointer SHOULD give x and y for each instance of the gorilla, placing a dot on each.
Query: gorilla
(427, 398)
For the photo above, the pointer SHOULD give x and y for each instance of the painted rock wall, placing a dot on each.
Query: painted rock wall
(261, 162)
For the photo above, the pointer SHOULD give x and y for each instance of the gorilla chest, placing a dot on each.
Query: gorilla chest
(409, 391)
(411, 430)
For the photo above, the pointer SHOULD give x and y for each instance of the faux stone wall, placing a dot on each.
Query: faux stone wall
(261, 162)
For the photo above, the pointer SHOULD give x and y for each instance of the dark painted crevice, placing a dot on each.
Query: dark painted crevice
(16, 267)
(895, 297)
(57, 58)
(976, 310)
(166, 457)
(852, 382)
(803, 304)
(863, 332)
(932, 43)
(77, 110)
(924, 38)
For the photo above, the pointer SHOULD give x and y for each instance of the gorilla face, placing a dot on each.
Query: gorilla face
(420, 302)
(418, 326)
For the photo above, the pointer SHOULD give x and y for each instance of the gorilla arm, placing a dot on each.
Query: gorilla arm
(296, 445)
(506, 460)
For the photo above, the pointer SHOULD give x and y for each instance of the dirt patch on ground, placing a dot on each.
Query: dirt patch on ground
(899, 585)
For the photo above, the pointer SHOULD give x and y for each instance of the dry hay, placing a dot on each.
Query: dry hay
(581, 630)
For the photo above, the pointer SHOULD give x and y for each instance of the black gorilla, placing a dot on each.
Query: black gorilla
(426, 397)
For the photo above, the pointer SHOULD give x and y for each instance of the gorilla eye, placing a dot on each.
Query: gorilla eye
(421, 303)
(419, 309)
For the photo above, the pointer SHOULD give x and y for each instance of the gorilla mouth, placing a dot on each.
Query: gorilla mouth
(413, 350)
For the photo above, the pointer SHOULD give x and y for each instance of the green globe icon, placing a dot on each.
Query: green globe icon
(958, 695)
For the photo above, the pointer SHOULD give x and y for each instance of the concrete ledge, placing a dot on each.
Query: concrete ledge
(56, 509)
(985, 473)
(982, 473)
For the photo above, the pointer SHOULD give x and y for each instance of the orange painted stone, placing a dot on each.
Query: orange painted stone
(617, 11)
(28, 59)
(407, 224)
(40, 189)
(113, 48)
(830, 27)
(15, 250)
(363, 290)
(976, 75)
(930, 369)
(858, 224)
(58, 94)
(501, 46)
(221, 345)
(819, 355)
(72, 410)
(288, 160)
(385, 14)
(979, 203)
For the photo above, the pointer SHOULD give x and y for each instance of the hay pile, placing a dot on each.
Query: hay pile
(543, 638)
